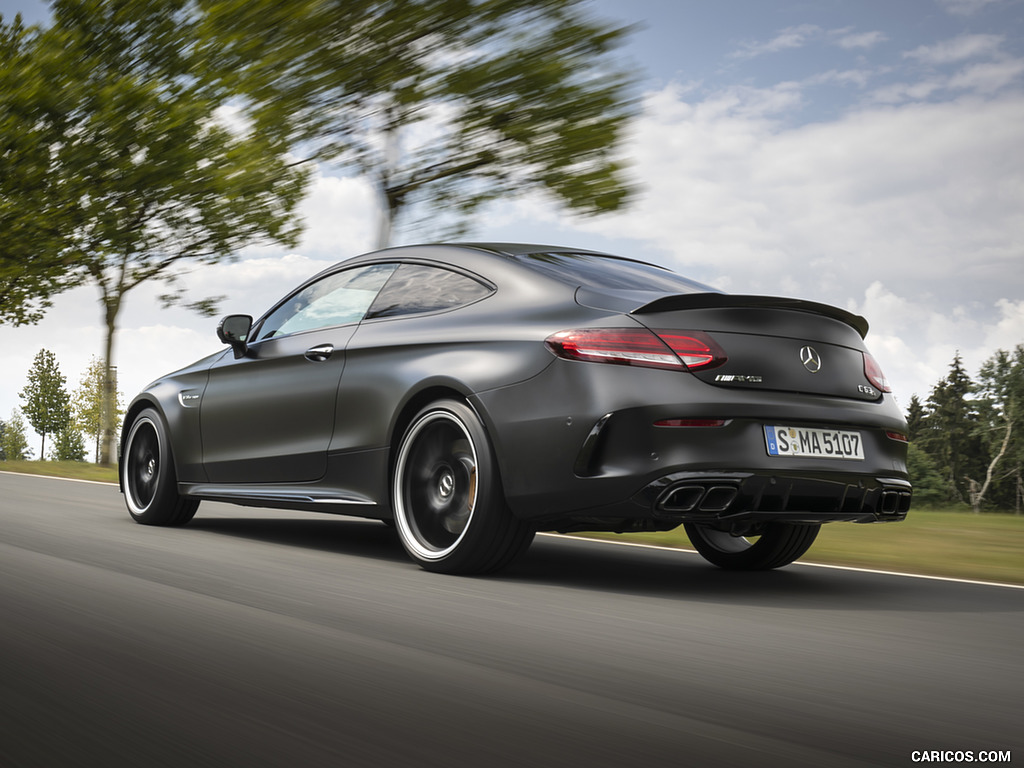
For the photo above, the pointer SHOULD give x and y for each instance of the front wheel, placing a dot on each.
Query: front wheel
(148, 477)
(449, 505)
(776, 545)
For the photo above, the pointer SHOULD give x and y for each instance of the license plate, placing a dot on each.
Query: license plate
(815, 443)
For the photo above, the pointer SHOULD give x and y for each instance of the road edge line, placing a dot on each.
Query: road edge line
(57, 477)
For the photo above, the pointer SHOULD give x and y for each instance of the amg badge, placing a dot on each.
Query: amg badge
(738, 378)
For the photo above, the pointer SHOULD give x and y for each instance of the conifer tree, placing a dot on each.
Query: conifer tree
(951, 437)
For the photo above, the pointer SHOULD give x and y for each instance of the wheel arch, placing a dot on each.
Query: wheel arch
(137, 406)
(413, 404)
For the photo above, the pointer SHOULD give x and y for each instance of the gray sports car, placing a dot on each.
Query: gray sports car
(473, 394)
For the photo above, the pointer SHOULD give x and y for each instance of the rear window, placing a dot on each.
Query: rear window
(418, 288)
(607, 272)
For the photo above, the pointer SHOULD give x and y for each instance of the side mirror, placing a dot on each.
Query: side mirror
(234, 330)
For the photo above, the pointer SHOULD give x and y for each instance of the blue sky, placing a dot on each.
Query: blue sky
(863, 153)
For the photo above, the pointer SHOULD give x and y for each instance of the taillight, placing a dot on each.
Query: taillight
(674, 350)
(695, 348)
(873, 372)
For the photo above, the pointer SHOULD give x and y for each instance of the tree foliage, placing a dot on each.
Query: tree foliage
(951, 434)
(33, 266)
(87, 402)
(13, 443)
(138, 173)
(1000, 391)
(442, 104)
(46, 401)
(971, 435)
(68, 444)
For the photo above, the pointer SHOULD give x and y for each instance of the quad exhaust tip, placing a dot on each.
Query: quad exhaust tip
(895, 502)
(688, 498)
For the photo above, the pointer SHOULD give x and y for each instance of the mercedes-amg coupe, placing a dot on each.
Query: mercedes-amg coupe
(473, 394)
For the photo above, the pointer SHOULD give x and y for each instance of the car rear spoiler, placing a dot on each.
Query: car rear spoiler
(717, 300)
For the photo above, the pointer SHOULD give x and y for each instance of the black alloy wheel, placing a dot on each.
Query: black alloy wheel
(774, 545)
(449, 506)
(148, 477)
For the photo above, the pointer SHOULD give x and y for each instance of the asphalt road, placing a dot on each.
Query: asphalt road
(257, 638)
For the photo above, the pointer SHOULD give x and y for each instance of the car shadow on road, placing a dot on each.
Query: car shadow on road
(646, 571)
(327, 533)
(573, 563)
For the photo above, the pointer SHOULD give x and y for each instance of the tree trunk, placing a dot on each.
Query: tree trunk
(978, 495)
(390, 200)
(384, 226)
(108, 440)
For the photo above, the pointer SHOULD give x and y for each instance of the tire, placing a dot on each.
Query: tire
(147, 475)
(778, 544)
(449, 505)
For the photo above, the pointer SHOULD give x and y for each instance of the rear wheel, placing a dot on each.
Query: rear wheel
(148, 477)
(775, 545)
(450, 509)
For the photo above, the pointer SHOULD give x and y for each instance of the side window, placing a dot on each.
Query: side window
(416, 288)
(337, 299)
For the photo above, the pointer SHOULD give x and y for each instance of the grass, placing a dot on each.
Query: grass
(935, 542)
(79, 470)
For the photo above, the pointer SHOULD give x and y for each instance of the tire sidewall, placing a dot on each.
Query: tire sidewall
(488, 492)
(164, 490)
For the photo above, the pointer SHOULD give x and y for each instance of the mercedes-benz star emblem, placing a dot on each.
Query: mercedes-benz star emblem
(810, 358)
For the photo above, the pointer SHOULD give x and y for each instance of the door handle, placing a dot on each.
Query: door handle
(319, 354)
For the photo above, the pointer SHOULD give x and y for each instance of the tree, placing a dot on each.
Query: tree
(929, 486)
(951, 436)
(442, 104)
(68, 444)
(87, 402)
(1000, 388)
(15, 445)
(47, 404)
(916, 418)
(141, 176)
(32, 264)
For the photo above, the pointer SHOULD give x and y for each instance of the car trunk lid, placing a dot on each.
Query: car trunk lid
(771, 343)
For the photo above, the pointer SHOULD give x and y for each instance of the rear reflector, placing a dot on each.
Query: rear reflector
(674, 350)
(897, 436)
(690, 423)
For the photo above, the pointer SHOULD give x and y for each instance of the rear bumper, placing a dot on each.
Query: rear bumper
(731, 499)
(580, 449)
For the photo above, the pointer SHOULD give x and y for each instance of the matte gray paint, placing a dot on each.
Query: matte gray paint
(277, 429)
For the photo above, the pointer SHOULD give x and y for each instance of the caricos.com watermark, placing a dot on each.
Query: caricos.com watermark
(961, 756)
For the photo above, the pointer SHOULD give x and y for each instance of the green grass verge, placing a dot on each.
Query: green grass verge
(988, 547)
(79, 470)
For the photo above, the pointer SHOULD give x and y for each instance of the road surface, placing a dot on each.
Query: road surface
(259, 638)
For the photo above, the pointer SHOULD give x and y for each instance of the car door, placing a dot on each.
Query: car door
(268, 416)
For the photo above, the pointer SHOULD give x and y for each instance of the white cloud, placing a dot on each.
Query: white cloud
(957, 49)
(861, 40)
(791, 37)
(340, 216)
(988, 77)
(965, 7)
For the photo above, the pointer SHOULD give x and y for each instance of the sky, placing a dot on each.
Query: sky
(862, 153)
